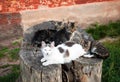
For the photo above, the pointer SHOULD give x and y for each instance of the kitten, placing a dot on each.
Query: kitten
(63, 34)
(63, 53)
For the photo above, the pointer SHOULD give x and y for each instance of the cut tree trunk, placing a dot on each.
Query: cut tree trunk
(83, 70)
(88, 70)
(33, 71)
(80, 70)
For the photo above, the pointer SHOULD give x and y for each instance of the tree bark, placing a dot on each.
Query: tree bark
(33, 71)
(83, 70)
(80, 70)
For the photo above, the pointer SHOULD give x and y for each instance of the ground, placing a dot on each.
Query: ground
(10, 41)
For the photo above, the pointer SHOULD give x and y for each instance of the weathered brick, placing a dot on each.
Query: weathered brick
(15, 21)
(3, 21)
(5, 15)
(16, 15)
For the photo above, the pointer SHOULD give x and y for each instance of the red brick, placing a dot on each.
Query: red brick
(15, 21)
(3, 21)
(15, 15)
(4, 15)
(0, 7)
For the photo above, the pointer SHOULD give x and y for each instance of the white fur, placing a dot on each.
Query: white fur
(51, 54)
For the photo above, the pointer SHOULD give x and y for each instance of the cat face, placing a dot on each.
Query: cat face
(47, 49)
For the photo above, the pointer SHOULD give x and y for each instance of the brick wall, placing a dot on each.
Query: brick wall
(9, 18)
(18, 5)
(10, 28)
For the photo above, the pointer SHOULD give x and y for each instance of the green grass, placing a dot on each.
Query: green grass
(13, 53)
(100, 31)
(3, 52)
(10, 53)
(111, 66)
(12, 76)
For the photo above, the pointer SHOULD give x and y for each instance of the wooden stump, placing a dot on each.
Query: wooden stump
(33, 71)
(84, 70)
(80, 70)
(88, 70)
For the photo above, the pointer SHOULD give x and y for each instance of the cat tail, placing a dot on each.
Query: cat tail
(99, 50)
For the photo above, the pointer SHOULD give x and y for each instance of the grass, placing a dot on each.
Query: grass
(3, 52)
(10, 53)
(111, 66)
(11, 77)
(17, 42)
(13, 53)
(102, 31)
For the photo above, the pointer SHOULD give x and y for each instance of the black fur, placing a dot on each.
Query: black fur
(51, 35)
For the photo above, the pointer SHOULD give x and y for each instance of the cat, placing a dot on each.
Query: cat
(62, 53)
(63, 34)
(56, 28)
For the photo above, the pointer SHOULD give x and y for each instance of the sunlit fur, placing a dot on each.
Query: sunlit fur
(52, 55)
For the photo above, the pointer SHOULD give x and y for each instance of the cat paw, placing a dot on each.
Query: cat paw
(45, 64)
(43, 59)
(88, 56)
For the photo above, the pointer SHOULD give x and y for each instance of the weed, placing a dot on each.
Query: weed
(17, 42)
(3, 51)
(10, 53)
(101, 31)
(111, 66)
(12, 76)
(14, 53)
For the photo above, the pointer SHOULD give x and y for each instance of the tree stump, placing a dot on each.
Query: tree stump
(80, 70)
(33, 71)
(88, 70)
(84, 70)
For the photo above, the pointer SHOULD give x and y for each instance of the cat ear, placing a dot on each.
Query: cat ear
(52, 44)
(43, 44)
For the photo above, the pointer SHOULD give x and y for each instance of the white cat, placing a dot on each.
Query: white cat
(63, 53)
